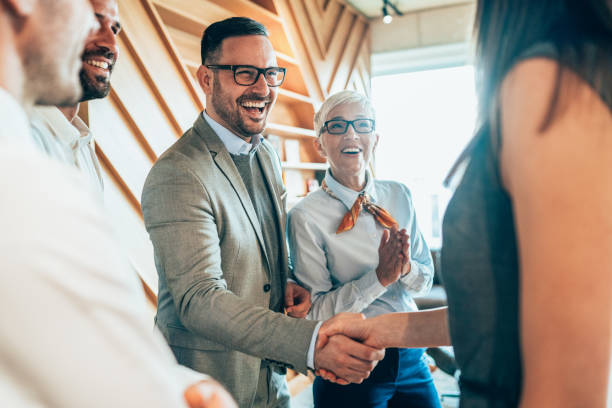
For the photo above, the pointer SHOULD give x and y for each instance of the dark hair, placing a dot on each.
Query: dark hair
(232, 27)
(506, 29)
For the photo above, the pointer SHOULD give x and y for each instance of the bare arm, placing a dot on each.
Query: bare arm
(427, 328)
(560, 181)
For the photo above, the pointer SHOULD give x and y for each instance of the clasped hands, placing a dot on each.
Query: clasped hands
(393, 256)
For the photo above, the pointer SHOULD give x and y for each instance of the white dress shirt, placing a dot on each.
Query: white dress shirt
(237, 145)
(74, 326)
(69, 142)
(340, 269)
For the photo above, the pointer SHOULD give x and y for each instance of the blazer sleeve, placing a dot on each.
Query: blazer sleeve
(181, 220)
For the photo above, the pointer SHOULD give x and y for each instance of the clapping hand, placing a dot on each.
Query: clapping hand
(393, 256)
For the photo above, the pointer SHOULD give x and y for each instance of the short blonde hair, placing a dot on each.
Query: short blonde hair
(337, 99)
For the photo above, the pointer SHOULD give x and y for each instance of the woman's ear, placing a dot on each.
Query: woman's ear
(376, 142)
(205, 79)
(319, 147)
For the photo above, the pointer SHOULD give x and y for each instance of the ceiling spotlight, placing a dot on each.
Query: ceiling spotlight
(387, 18)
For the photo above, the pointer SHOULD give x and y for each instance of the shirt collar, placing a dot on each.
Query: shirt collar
(233, 143)
(73, 134)
(15, 126)
(347, 195)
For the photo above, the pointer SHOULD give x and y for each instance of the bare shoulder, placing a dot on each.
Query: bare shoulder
(579, 119)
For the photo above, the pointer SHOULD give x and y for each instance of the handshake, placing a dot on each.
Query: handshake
(348, 348)
(338, 357)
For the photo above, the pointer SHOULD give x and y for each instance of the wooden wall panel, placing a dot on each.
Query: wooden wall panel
(116, 139)
(329, 39)
(133, 90)
(159, 61)
(131, 234)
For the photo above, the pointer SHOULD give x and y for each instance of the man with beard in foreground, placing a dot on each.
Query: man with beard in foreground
(73, 322)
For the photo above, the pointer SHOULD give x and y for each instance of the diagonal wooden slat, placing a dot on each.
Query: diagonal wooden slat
(324, 22)
(296, 39)
(349, 57)
(328, 42)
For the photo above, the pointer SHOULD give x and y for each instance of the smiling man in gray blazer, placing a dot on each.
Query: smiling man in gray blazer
(214, 206)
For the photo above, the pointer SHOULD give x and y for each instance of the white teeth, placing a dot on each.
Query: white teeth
(351, 150)
(99, 64)
(252, 104)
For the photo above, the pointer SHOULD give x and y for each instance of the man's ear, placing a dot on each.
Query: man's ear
(205, 79)
(319, 147)
(20, 8)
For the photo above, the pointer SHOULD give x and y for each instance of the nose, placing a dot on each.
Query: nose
(350, 133)
(106, 38)
(261, 86)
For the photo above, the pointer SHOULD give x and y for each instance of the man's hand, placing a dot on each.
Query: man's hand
(297, 300)
(355, 326)
(208, 394)
(347, 359)
(341, 358)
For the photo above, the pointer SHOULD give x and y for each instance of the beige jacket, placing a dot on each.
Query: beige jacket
(210, 257)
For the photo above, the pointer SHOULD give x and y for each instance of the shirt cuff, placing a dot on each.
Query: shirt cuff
(370, 287)
(311, 349)
(412, 276)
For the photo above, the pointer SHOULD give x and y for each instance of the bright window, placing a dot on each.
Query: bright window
(425, 119)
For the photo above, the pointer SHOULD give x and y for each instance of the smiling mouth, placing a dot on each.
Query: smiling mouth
(254, 106)
(351, 150)
(99, 64)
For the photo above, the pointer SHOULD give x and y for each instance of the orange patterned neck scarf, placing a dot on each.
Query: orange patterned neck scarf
(362, 202)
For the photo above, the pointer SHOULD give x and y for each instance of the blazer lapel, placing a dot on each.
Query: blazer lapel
(225, 163)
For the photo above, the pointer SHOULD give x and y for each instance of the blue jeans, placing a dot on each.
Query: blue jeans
(401, 379)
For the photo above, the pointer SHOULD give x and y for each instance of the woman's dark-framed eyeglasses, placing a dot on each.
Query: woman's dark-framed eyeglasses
(247, 75)
(340, 126)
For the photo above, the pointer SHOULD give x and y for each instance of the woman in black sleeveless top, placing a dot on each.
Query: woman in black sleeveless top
(527, 250)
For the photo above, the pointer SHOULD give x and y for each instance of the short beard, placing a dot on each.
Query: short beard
(229, 116)
(97, 90)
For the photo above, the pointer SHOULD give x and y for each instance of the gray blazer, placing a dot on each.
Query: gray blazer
(210, 257)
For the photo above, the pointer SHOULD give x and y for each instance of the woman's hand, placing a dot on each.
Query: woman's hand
(405, 238)
(392, 256)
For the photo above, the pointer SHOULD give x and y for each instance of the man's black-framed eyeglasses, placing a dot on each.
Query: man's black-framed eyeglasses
(247, 75)
(340, 126)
